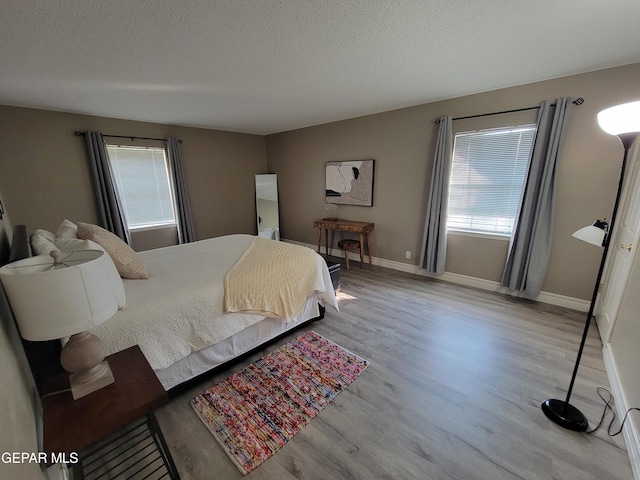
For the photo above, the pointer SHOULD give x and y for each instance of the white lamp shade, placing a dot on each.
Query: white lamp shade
(54, 301)
(621, 119)
(591, 234)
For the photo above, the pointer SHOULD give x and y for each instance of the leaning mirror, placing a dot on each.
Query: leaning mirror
(267, 206)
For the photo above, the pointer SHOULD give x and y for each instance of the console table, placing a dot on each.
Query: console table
(363, 229)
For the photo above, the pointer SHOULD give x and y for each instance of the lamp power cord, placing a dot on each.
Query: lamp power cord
(607, 398)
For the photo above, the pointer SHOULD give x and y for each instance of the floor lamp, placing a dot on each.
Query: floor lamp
(622, 121)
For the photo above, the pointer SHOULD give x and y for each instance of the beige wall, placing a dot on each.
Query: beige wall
(19, 407)
(402, 143)
(45, 178)
(148, 239)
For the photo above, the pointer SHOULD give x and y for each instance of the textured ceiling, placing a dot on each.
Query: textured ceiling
(267, 66)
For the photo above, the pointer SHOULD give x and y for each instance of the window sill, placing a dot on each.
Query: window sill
(148, 228)
(490, 236)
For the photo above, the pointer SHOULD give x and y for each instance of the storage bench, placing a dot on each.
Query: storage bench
(334, 272)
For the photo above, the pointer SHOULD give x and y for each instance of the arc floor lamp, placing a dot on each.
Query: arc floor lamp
(622, 121)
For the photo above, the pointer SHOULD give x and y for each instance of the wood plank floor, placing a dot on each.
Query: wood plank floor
(453, 391)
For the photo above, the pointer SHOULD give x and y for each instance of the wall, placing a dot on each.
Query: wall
(20, 414)
(402, 143)
(148, 239)
(623, 361)
(45, 178)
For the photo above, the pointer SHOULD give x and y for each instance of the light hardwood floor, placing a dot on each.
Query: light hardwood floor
(453, 391)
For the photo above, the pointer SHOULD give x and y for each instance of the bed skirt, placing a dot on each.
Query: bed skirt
(202, 361)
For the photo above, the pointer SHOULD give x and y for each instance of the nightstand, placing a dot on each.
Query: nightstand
(113, 428)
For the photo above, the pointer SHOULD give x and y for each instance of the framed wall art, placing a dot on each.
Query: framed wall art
(349, 182)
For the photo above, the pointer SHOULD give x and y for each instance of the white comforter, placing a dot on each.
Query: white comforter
(179, 308)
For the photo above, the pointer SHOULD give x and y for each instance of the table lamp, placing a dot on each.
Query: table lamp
(64, 294)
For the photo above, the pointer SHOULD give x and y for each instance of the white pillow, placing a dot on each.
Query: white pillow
(41, 245)
(127, 261)
(67, 229)
(71, 244)
(45, 233)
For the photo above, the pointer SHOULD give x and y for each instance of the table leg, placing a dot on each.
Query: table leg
(362, 250)
(164, 449)
(369, 247)
(326, 241)
(319, 238)
(333, 232)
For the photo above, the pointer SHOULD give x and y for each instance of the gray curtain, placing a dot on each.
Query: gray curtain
(110, 213)
(186, 232)
(434, 240)
(530, 244)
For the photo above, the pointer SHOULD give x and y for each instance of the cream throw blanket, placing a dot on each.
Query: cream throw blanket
(273, 278)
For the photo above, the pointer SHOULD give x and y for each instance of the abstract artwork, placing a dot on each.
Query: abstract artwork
(349, 182)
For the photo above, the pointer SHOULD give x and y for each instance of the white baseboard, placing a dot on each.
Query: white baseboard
(630, 430)
(544, 297)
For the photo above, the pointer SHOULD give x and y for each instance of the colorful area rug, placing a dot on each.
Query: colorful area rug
(254, 412)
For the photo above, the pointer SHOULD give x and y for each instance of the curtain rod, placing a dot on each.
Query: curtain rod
(577, 101)
(82, 134)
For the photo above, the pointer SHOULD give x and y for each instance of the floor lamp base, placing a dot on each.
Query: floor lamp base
(565, 415)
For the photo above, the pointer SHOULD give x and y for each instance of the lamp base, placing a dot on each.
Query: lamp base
(88, 381)
(83, 356)
(565, 415)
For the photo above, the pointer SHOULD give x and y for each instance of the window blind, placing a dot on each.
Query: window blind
(142, 180)
(487, 176)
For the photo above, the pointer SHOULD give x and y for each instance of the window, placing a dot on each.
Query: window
(142, 179)
(487, 176)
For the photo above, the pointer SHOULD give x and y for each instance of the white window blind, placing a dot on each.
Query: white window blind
(487, 176)
(142, 179)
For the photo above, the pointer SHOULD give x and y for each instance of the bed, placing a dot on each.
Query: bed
(182, 310)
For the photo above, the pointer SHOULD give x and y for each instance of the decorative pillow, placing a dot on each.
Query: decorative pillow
(41, 245)
(67, 229)
(127, 261)
(71, 244)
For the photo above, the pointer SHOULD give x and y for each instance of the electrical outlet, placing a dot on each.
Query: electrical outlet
(407, 255)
